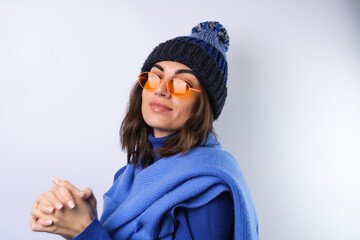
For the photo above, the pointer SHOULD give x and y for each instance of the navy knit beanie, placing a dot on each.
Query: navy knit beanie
(204, 52)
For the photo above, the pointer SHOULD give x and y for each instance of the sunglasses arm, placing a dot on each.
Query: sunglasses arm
(196, 90)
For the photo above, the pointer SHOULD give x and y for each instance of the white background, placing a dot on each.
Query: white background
(291, 118)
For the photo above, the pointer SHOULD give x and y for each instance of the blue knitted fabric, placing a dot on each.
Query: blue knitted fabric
(213, 33)
(141, 202)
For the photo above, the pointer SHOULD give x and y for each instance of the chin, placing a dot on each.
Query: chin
(156, 120)
(159, 123)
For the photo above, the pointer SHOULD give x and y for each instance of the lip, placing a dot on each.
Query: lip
(159, 107)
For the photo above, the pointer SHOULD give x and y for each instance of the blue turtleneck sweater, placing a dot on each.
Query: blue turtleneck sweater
(213, 220)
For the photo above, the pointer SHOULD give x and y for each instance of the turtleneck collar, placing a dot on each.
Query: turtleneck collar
(157, 142)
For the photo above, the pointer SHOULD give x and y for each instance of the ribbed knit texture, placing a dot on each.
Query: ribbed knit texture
(204, 53)
(141, 203)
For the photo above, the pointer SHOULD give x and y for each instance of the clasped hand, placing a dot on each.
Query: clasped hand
(63, 210)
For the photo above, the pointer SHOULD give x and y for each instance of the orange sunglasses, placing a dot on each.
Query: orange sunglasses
(176, 87)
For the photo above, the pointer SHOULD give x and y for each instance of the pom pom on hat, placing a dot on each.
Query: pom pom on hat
(213, 33)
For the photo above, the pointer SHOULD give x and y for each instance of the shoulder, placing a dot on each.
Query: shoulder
(214, 156)
(211, 148)
(119, 172)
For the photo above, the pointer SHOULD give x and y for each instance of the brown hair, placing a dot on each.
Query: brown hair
(134, 131)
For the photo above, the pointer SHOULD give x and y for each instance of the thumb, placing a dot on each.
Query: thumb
(65, 183)
(86, 193)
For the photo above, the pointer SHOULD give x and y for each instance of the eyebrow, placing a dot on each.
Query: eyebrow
(177, 72)
(159, 67)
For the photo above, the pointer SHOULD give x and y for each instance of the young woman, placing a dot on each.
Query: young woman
(178, 183)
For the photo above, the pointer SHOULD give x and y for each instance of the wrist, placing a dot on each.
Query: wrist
(82, 226)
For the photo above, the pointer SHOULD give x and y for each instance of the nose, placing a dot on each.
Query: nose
(162, 90)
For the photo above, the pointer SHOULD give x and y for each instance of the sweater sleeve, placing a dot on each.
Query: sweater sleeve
(214, 220)
(95, 231)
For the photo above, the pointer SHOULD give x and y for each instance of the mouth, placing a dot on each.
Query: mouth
(158, 107)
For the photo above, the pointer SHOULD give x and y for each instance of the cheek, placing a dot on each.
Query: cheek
(187, 108)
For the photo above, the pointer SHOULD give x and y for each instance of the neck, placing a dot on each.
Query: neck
(159, 133)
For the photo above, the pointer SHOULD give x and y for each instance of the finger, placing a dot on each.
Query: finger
(42, 199)
(86, 193)
(65, 183)
(34, 206)
(45, 208)
(35, 212)
(56, 191)
(44, 222)
(33, 225)
(36, 227)
(53, 199)
(66, 195)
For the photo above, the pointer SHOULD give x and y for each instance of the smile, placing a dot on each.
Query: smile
(158, 107)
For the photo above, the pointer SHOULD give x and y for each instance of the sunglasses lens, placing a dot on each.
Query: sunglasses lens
(149, 80)
(178, 87)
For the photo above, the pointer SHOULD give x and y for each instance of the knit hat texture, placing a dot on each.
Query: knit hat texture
(204, 52)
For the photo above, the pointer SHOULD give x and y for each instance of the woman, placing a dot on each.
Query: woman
(178, 183)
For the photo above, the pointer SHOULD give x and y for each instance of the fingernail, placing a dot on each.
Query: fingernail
(71, 204)
(48, 222)
(58, 206)
(82, 194)
(49, 209)
(55, 179)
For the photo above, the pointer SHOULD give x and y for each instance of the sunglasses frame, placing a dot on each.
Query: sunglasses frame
(167, 85)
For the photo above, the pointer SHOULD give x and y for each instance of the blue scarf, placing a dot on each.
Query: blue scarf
(141, 203)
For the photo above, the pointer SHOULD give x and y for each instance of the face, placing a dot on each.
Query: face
(164, 112)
